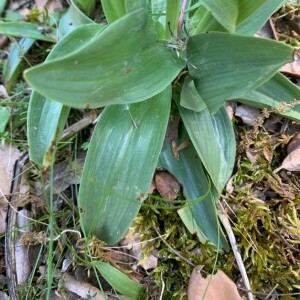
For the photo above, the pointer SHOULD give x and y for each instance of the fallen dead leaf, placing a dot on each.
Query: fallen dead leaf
(253, 154)
(51, 6)
(23, 267)
(294, 143)
(248, 114)
(167, 186)
(65, 174)
(267, 154)
(291, 162)
(292, 68)
(230, 108)
(134, 245)
(214, 287)
(8, 156)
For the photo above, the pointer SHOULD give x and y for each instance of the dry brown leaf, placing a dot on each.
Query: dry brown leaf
(134, 245)
(219, 287)
(291, 162)
(253, 154)
(51, 6)
(267, 154)
(248, 114)
(23, 267)
(294, 143)
(230, 108)
(8, 156)
(167, 186)
(292, 68)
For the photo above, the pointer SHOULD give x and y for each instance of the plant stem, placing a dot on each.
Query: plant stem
(181, 18)
(51, 236)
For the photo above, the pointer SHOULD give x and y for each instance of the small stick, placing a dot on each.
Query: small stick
(173, 250)
(224, 219)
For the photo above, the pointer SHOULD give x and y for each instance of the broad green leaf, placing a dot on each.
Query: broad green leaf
(2, 6)
(254, 14)
(71, 20)
(203, 21)
(123, 64)
(275, 94)
(47, 118)
(4, 118)
(27, 30)
(12, 65)
(120, 163)
(242, 16)
(214, 141)
(229, 66)
(224, 11)
(189, 97)
(190, 173)
(87, 6)
(172, 17)
(119, 281)
(131, 5)
(113, 10)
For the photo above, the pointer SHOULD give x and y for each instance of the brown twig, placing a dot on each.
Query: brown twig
(224, 219)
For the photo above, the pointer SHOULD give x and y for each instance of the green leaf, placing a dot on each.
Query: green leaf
(203, 21)
(172, 17)
(119, 281)
(4, 118)
(214, 141)
(240, 16)
(123, 64)
(113, 10)
(229, 66)
(201, 217)
(189, 97)
(275, 94)
(28, 30)
(47, 118)
(254, 14)
(12, 66)
(120, 163)
(88, 6)
(2, 6)
(224, 11)
(71, 20)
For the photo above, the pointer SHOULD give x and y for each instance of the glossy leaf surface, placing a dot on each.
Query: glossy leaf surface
(11, 69)
(46, 118)
(229, 66)
(120, 163)
(119, 281)
(200, 217)
(224, 11)
(278, 93)
(123, 64)
(28, 30)
(214, 141)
